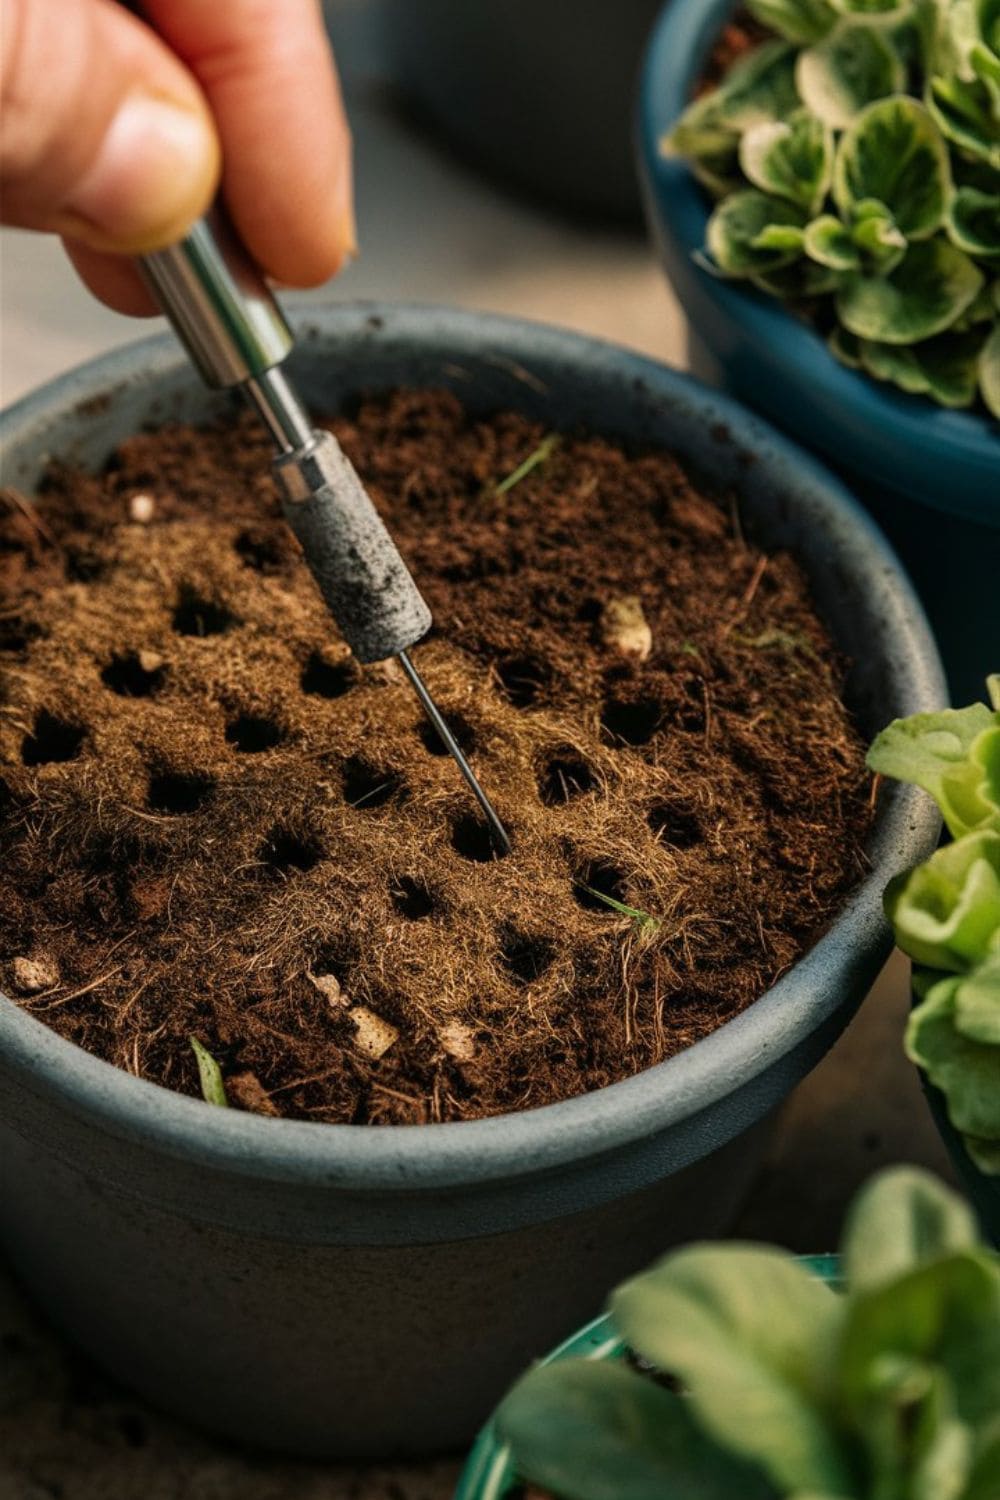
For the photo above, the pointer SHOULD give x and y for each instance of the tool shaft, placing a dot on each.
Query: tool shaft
(431, 709)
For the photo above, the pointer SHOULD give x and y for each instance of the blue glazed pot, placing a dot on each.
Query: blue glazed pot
(489, 1473)
(354, 1290)
(931, 477)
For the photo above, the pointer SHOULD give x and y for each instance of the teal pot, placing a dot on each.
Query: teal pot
(930, 477)
(312, 1287)
(538, 92)
(489, 1473)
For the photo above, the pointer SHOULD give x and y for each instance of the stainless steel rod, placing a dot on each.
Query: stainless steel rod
(449, 740)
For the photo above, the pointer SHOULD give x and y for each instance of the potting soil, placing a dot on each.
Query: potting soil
(214, 823)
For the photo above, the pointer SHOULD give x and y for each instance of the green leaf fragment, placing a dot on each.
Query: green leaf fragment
(213, 1088)
(539, 456)
(965, 1070)
(641, 918)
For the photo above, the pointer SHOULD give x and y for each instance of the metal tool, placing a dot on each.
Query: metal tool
(226, 317)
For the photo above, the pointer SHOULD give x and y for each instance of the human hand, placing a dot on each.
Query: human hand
(115, 135)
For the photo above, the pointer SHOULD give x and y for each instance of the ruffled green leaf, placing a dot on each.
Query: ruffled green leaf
(989, 373)
(711, 148)
(734, 232)
(977, 1005)
(945, 368)
(758, 88)
(796, 20)
(791, 159)
(752, 1337)
(946, 912)
(917, 1444)
(599, 1431)
(954, 756)
(973, 221)
(829, 242)
(965, 114)
(877, 235)
(923, 295)
(851, 67)
(966, 1071)
(982, 309)
(944, 1314)
(894, 154)
(900, 1220)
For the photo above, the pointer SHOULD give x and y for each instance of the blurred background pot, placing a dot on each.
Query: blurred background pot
(355, 1290)
(538, 92)
(931, 477)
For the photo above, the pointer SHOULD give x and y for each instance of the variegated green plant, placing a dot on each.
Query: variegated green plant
(855, 158)
(946, 912)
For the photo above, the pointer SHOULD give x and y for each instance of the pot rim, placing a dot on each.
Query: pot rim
(679, 207)
(588, 1126)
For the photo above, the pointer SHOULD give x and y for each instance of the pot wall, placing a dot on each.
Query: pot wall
(930, 477)
(343, 1290)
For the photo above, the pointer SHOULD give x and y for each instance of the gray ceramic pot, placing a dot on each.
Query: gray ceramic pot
(354, 1290)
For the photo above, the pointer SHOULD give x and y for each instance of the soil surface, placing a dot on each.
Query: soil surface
(216, 824)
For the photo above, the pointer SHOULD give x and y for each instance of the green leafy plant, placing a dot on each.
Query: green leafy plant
(889, 1390)
(946, 912)
(856, 160)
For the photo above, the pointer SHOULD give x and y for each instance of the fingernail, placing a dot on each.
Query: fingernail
(155, 172)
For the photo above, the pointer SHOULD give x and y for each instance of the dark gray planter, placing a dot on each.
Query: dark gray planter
(355, 1290)
(539, 92)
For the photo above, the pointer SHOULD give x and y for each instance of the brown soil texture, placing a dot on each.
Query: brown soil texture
(206, 806)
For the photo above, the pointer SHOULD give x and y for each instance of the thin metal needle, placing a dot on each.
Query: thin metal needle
(433, 713)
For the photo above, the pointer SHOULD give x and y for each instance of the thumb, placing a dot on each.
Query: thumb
(104, 135)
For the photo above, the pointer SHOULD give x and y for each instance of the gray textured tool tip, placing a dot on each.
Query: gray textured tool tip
(365, 583)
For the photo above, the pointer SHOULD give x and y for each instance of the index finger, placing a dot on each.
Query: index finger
(268, 71)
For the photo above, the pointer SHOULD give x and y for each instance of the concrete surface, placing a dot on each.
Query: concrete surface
(429, 231)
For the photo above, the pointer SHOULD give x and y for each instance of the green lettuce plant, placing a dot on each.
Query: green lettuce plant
(946, 912)
(856, 163)
(783, 1388)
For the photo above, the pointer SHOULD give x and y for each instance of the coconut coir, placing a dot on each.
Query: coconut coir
(215, 823)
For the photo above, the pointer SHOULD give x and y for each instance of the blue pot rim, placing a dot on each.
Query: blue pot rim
(679, 46)
(529, 1143)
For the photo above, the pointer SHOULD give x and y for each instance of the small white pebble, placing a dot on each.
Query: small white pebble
(624, 627)
(150, 661)
(374, 1035)
(34, 974)
(141, 509)
(458, 1041)
(329, 985)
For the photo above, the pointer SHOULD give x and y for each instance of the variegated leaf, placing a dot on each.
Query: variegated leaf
(932, 286)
